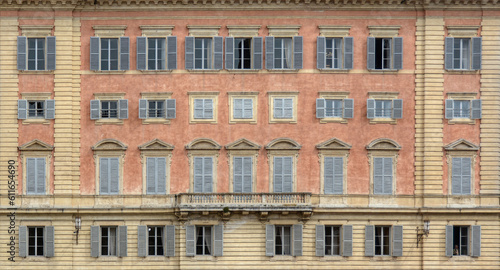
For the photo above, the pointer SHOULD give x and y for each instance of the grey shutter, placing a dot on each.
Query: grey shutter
(114, 175)
(124, 53)
(476, 241)
(387, 189)
(238, 174)
(208, 108)
(466, 176)
(40, 175)
(218, 52)
(142, 47)
(48, 244)
(397, 108)
(22, 109)
(320, 53)
(247, 174)
(21, 52)
(338, 175)
(151, 181)
(142, 241)
(189, 54)
(476, 53)
(297, 52)
(370, 48)
(23, 237)
(397, 53)
(190, 240)
(143, 108)
(94, 241)
(51, 52)
(287, 174)
(104, 175)
(288, 108)
(348, 109)
(269, 52)
(456, 176)
(247, 108)
(348, 52)
(369, 240)
(449, 241)
(95, 109)
(122, 241)
(218, 240)
(31, 175)
(161, 175)
(269, 240)
(328, 175)
(169, 246)
(198, 174)
(370, 108)
(320, 240)
(297, 240)
(123, 109)
(347, 240)
(476, 112)
(50, 109)
(278, 174)
(397, 241)
(229, 53)
(448, 52)
(207, 174)
(320, 108)
(171, 52)
(258, 44)
(170, 108)
(95, 51)
(448, 109)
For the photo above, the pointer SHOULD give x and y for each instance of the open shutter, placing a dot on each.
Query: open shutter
(142, 241)
(95, 109)
(320, 240)
(50, 109)
(142, 47)
(369, 240)
(476, 53)
(269, 240)
(258, 46)
(370, 108)
(143, 108)
(123, 109)
(320, 107)
(114, 175)
(40, 175)
(31, 175)
(297, 52)
(51, 52)
(328, 175)
(269, 52)
(21, 52)
(448, 52)
(320, 52)
(476, 241)
(338, 175)
(94, 241)
(169, 245)
(22, 109)
(347, 240)
(348, 52)
(23, 237)
(122, 241)
(397, 241)
(348, 109)
(370, 48)
(297, 240)
(448, 109)
(190, 240)
(449, 240)
(456, 176)
(397, 53)
(397, 108)
(49, 241)
(189, 54)
(95, 43)
(170, 109)
(229, 53)
(476, 112)
(218, 240)
(124, 53)
(218, 52)
(171, 52)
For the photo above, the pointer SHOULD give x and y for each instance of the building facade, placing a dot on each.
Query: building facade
(250, 134)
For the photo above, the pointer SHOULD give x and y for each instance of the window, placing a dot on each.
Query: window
(384, 107)
(155, 157)
(108, 241)
(284, 240)
(242, 165)
(109, 154)
(333, 240)
(382, 175)
(461, 157)
(109, 108)
(156, 175)
(202, 154)
(204, 53)
(109, 172)
(337, 109)
(36, 53)
(283, 174)
(283, 107)
(203, 174)
(284, 52)
(156, 48)
(463, 53)
(463, 108)
(156, 53)
(243, 107)
(159, 109)
(463, 240)
(283, 154)
(385, 53)
(242, 174)
(461, 176)
(155, 240)
(382, 156)
(244, 53)
(109, 53)
(334, 175)
(333, 155)
(334, 53)
(204, 240)
(36, 241)
(36, 175)
(384, 240)
(203, 107)
(36, 157)
(36, 107)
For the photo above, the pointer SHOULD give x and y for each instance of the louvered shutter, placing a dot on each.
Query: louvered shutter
(95, 50)
(198, 174)
(51, 52)
(320, 107)
(387, 175)
(208, 108)
(95, 109)
(31, 175)
(278, 174)
(123, 109)
(448, 52)
(48, 239)
(269, 240)
(328, 175)
(369, 240)
(397, 241)
(151, 175)
(287, 174)
(297, 240)
(21, 52)
(397, 109)
(347, 240)
(94, 241)
(297, 52)
(189, 54)
(338, 175)
(238, 174)
(104, 175)
(476, 53)
(348, 52)
(320, 240)
(218, 240)
(238, 108)
(122, 241)
(448, 109)
(161, 166)
(229, 53)
(257, 52)
(476, 112)
(23, 237)
(247, 174)
(449, 241)
(247, 108)
(378, 175)
(288, 108)
(142, 47)
(207, 174)
(142, 241)
(466, 176)
(397, 53)
(22, 109)
(171, 52)
(143, 108)
(124, 53)
(456, 176)
(40, 175)
(370, 59)
(320, 53)
(269, 52)
(476, 241)
(278, 107)
(190, 240)
(348, 109)
(218, 52)
(170, 108)
(169, 245)
(370, 108)
(50, 109)
(114, 176)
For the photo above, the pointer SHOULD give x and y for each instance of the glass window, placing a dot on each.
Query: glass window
(109, 54)
(383, 53)
(382, 240)
(203, 53)
(461, 53)
(36, 109)
(156, 53)
(35, 241)
(283, 53)
(155, 241)
(109, 109)
(242, 53)
(108, 241)
(333, 108)
(460, 240)
(36, 53)
(461, 108)
(334, 53)
(203, 240)
(383, 108)
(283, 240)
(332, 240)
(156, 108)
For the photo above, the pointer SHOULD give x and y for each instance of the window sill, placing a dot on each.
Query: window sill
(461, 258)
(332, 258)
(384, 71)
(379, 258)
(107, 258)
(283, 70)
(207, 258)
(109, 72)
(461, 121)
(282, 258)
(156, 121)
(37, 72)
(243, 70)
(383, 121)
(243, 121)
(109, 122)
(162, 71)
(36, 121)
(203, 121)
(461, 71)
(36, 259)
(158, 258)
(333, 120)
(203, 70)
(282, 121)
(332, 70)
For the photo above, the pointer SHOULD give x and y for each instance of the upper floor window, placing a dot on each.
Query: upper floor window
(109, 108)
(204, 53)
(463, 53)
(244, 53)
(334, 107)
(156, 48)
(36, 53)
(109, 54)
(284, 52)
(36, 241)
(35, 109)
(382, 155)
(460, 156)
(283, 107)
(203, 107)
(108, 156)
(384, 107)
(463, 108)
(202, 154)
(283, 154)
(334, 52)
(384, 48)
(36, 157)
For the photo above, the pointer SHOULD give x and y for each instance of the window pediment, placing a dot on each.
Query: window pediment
(242, 144)
(383, 144)
(283, 144)
(333, 144)
(461, 145)
(109, 145)
(156, 145)
(203, 144)
(36, 145)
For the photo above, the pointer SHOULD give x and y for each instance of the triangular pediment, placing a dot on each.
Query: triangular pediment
(156, 144)
(283, 144)
(461, 145)
(383, 144)
(242, 144)
(333, 144)
(36, 145)
(203, 144)
(109, 145)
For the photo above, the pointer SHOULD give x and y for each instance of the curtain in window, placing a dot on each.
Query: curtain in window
(288, 52)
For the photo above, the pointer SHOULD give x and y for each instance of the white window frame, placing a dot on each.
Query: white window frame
(462, 96)
(283, 95)
(253, 96)
(109, 243)
(157, 243)
(381, 236)
(156, 96)
(193, 96)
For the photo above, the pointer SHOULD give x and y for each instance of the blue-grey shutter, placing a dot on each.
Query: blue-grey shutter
(370, 48)
(198, 108)
(123, 109)
(320, 240)
(278, 107)
(218, 52)
(369, 240)
(449, 241)
(476, 111)
(95, 51)
(348, 109)
(23, 237)
(328, 175)
(347, 240)
(229, 53)
(161, 167)
(207, 174)
(269, 52)
(122, 241)
(397, 108)
(370, 108)
(94, 241)
(50, 109)
(189, 54)
(387, 175)
(151, 175)
(448, 109)
(320, 53)
(297, 240)
(278, 174)
(95, 109)
(21, 52)
(338, 175)
(48, 239)
(238, 108)
(218, 240)
(124, 53)
(142, 241)
(169, 245)
(320, 108)
(476, 241)
(51, 52)
(40, 175)
(247, 174)
(397, 53)
(456, 176)
(466, 176)
(190, 240)
(397, 241)
(348, 52)
(114, 175)
(287, 174)
(170, 108)
(297, 52)
(171, 52)
(288, 108)
(378, 175)
(448, 52)
(143, 108)
(208, 108)
(22, 109)
(258, 46)
(198, 174)
(238, 174)
(247, 108)
(142, 47)
(269, 240)
(31, 175)
(476, 53)
(104, 175)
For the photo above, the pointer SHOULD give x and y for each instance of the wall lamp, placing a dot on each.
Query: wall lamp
(78, 226)
(423, 232)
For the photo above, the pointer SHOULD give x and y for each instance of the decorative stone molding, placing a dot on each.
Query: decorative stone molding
(243, 144)
(333, 148)
(384, 30)
(383, 147)
(283, 30)
(242, 148)
(461, 148)
(156, 30)
(465, 31)
(383, 144)
(109, 145)
(203, 30)
(243, 30)
(333, 144)
(461, 145)
(35, 145)
(109, 31)
(334, 30)
(283, 147)
(283, 144)
(156, 148)
(34, 31)
(203, 147)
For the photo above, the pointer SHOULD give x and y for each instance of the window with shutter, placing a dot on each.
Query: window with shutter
(462, 108)
(207, 53)
(156, 175)
(35, 175)
(155, 240)
(36, 241)
(382, 175)
(333, 175)
(283, 107)
(461, 241)
(461, 176)
(243, 107)
(385, 53)
(283, 174)
(382, 241)
(36, 53)
(334, 53)
(108, 241)
(242, 174)
(109, 175)
(203, 174)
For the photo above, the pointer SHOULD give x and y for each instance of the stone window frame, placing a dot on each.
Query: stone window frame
(242, 148)
(37, 31)
(294, 95)
(462, 149)
(156, 96)
(109, 148)
(462, 96)
(247, 95)
(157, 31)
(156, 148)
(110, 31)
(380, 148)
(38, 96)
(109, 97)
(37, 149)
(334, 95)
(203, 147)
(463, 32)
(283, 147)
(385, 31)
(383, 96)
(203, 95)
(333, 148)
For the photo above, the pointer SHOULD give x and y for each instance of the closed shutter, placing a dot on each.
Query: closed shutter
(40, 176)
(397, 53)
(21, 52)
(328, 175)
(387, 175)
(258, 47)
(348, 52)
(297, 240)
(370, 108)
(151, 175)
(397, 241)
(190, 240)
(95, 51)
(124, 53)
(171, 52)
(287, 108)
(397, 109)
(466, 176)
(189, 54)
(208, 108)
(369, 240)
(448, 109)
(161, 164)
(114, 175)
(320, 240)
(142, 241)
(448, 52)
(370, 59)
(170, 108)
(476, 241)
(247, 108)
(207, 174)
(31, 175)
(22, 109)
(278, 107)
(348, 109)
(476, 112)
(338, 175)
(198, 108)
(229, 53)
(142, 47)
(238, 108)
(269, 52)
(48, 239)
(169, 245)
(123, 107)
(347, 240)
(269, 240)
(238, 174)
(476, 53)
(247, 174)
(95, 109)
(94, 241)
(218, 52)
(218, 240)
(50, 109)
(51, 52)
(320, 52)
(23, 237)
(449, 241)
(143, 108)
(320, 107)
(297, 52)
(122, 241)
(378, 175)
(456, 176)
(104, 175)
(287, 174)
(198, 174)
